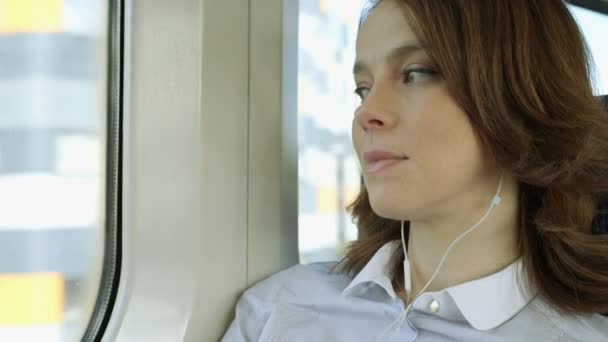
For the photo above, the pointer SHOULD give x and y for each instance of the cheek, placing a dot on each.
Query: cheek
(443, 131)
(356, 137)
(446, 149)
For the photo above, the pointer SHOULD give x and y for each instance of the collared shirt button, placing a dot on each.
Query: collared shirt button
(434, 306)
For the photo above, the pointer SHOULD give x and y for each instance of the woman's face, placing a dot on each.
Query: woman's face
(406, 111)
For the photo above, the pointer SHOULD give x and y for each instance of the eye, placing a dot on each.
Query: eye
(362, 92)
(418, 75)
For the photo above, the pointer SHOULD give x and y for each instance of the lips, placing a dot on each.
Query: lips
(378, 160)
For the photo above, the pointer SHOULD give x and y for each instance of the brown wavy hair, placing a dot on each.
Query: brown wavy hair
(522, 72)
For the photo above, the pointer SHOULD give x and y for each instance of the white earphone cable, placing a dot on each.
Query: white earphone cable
(407, 274)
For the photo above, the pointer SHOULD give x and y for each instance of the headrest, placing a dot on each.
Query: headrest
(600, 221)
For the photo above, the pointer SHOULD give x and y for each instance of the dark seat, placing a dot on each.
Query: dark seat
(600, 222)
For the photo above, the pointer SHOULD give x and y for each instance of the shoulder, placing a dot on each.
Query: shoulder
(574, 327)
(299, 282)
(289, 288)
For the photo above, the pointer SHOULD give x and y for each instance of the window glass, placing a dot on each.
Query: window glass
(594, 26)
(329, 173)
(52, 162)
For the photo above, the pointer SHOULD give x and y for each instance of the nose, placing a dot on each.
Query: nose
(377, 112)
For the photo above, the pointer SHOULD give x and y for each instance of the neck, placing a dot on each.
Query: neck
(491, 247)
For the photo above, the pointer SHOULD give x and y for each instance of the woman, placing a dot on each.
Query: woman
(484, 155)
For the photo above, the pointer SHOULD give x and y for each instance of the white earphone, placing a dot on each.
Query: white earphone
(406, 265)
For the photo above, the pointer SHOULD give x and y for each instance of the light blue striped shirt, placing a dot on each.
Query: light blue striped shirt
(312, 303)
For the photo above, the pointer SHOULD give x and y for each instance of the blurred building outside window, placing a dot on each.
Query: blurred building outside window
(52, 166)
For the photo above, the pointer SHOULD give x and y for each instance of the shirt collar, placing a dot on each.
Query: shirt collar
(490, 301)
(485, 303)
(376, 270)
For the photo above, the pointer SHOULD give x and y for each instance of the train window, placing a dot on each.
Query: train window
(53, 162)
(328, 169)
(594, 26)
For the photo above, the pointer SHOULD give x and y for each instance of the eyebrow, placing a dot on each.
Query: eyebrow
(397, 53)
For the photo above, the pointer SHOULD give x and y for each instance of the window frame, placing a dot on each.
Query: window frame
(600, 6)
(110, 275)
(210, 174)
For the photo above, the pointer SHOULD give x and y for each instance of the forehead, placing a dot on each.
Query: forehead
(382, 30)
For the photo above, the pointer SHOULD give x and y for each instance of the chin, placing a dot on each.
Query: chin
(388, 208)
